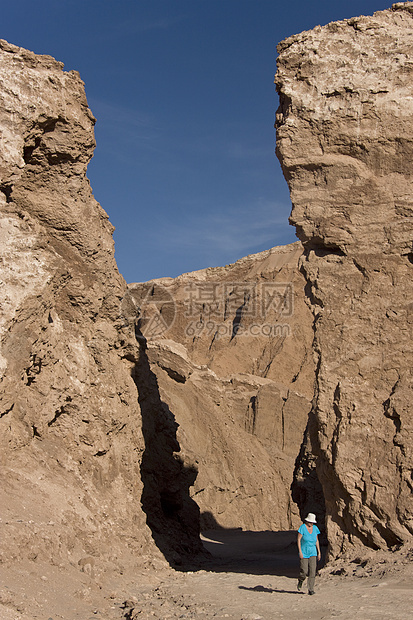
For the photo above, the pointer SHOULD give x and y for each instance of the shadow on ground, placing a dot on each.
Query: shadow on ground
(269, 590)
(255, 553)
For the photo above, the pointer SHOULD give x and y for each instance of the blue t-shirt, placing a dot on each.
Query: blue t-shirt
(308, 541)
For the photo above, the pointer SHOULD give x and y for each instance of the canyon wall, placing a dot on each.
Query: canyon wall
(132, 416)
(345, 142)
(77, 446)
(129, 418)
(231, 348)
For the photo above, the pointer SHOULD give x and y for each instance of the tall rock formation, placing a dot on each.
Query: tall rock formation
(345, 142)
(121, 407)
(110, 428)
(231, 348)
(73, 445)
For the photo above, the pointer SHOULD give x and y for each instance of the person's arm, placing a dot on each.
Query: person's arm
(300, 553)
(317, 544)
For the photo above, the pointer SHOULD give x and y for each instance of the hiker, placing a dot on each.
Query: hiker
(308, 551)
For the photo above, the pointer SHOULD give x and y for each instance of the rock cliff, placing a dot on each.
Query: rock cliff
(231, 348)
(345, 141)
(110, 427)
(76, 452)
(121, 405)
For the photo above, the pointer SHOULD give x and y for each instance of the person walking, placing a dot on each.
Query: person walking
(308, 551)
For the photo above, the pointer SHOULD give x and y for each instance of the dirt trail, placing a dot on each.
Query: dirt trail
(251, 576)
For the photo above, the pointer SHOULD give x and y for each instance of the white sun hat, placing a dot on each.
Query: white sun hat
(310, 518)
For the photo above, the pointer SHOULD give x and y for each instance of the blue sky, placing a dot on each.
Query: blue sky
(185, 103)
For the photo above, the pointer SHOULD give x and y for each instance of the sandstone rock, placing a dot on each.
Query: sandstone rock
(71, 435)
(108, 427)
(103, 433)
(231, 350)
(344, 136)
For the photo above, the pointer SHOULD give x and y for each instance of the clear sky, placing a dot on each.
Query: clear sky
(184, 96)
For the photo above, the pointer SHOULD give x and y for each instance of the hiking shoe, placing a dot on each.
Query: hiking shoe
(311, 592)
(299, 585)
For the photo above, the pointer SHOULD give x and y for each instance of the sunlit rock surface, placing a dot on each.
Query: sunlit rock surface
(231, 348)
(344, 135)
(75, 451)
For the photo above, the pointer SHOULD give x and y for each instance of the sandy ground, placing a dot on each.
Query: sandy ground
(251, 576)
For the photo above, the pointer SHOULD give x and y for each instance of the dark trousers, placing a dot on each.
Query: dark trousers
(308, 567)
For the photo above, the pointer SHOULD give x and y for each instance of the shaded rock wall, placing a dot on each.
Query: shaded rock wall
(345, 136)
(71, 431)
(231, 348)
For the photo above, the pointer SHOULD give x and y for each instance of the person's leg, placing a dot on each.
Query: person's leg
(312, 567)
(303, 572)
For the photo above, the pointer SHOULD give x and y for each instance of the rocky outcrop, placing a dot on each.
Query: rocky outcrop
(231, 348)
(121, 408)
(75, 433)
(345, 136)
(126, 414)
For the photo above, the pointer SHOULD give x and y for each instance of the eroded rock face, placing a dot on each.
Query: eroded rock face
(231, 348)
(72, 438)
(345, 136)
